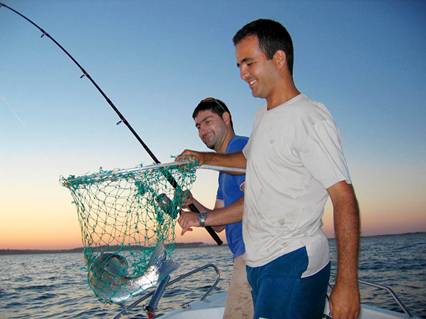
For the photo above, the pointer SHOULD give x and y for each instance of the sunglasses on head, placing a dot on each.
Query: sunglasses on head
(216, 102)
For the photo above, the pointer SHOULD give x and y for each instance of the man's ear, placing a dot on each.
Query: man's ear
(280, 58)
(226, 118)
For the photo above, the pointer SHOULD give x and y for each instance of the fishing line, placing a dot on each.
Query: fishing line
(10, 109)
(123, 120)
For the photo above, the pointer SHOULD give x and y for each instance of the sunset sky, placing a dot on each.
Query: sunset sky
(365, 60)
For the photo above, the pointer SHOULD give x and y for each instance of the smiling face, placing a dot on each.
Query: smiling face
(261, 73)
(213, 129)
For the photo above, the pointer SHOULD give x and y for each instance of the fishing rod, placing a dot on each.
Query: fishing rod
(170, 178)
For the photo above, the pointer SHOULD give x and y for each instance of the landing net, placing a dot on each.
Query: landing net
(127, 213)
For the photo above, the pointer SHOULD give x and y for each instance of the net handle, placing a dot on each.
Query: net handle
(155, 166)
(209, 167)
(224, 169)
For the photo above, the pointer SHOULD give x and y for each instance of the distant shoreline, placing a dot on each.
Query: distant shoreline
(178, 245)
(80, 249)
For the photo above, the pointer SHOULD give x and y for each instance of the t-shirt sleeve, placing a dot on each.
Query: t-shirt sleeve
(246, 149)
(239, 146)
(257, 120)
(219, 193)
(321, 151)
(239, 180)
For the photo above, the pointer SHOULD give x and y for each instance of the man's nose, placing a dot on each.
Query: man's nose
(243, 72)
(202, 130)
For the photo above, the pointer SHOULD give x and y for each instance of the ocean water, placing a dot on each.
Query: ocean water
(54, 285)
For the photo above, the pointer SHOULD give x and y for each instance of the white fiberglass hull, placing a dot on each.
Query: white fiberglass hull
(212, 308)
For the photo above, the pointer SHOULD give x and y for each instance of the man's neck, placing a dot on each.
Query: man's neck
(223, 146)
(284, 91)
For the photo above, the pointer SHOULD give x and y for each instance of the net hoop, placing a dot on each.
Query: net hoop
(124, 214)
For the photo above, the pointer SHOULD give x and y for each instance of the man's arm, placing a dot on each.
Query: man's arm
(217, 217)
(345, 299)
(218, 205)
(201, 208)
(236, 160)
(191, 200)
(226, 215)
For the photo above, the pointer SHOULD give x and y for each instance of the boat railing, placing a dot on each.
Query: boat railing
(392, 293)
(157, 293)
(387, 289)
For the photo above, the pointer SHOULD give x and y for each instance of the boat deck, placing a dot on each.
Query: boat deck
(211, 306)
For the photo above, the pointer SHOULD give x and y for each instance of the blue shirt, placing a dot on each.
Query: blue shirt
(229, 191)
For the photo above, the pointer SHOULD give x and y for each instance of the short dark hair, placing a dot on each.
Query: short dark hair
(272, 36)
(212, 104)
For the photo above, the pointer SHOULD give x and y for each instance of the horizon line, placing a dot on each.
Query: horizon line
(4, 251)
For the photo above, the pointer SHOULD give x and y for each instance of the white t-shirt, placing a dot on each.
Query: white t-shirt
(293, 155)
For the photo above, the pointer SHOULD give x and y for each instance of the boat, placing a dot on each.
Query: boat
(211, 304)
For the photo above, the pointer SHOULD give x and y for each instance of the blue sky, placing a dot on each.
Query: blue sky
(365, 60)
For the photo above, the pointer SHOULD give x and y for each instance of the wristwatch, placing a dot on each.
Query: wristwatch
(202, 219)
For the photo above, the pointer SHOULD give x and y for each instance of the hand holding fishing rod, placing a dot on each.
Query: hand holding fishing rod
(199, 219)
(170, 178)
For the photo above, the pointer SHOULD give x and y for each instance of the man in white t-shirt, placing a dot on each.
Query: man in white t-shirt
(293, 161)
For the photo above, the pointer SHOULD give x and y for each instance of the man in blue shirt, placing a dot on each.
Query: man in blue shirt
(214, 124)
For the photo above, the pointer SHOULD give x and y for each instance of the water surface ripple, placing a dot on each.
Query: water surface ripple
(54, 285)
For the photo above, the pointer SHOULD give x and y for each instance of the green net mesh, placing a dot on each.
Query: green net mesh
(127, 220)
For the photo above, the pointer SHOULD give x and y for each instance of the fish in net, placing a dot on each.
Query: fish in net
(127, 220)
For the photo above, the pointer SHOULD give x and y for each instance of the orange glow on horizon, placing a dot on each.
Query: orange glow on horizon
(69, 237)
(48, 220)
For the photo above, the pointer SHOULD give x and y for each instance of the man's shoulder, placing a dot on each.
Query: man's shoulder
(240, 139)
(308, 110)
(237, 143)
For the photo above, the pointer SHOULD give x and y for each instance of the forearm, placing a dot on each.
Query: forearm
(347, 238)
(216, 218)
(236, 160)
(218, 229)
(344, 298)
(226, 215)
(347, 229)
